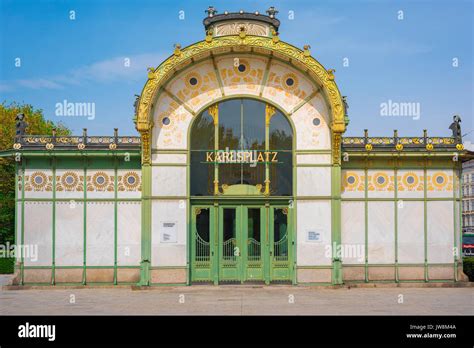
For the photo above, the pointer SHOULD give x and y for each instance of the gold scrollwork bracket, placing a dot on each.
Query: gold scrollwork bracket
(269, 112)
(214, 112)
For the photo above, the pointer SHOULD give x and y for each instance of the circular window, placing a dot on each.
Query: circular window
(351, 180)
(439, 179)
(380, 180)
(100, 180)
(242, 68)
(193, 81)
(38, 180)
(316, 121)
(131, 180)
(166, 121)
(410, 180)
(290, 82)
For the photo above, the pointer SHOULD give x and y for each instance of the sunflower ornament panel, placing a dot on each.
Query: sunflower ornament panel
(440, 183)
(38, 183)
(381, 183)
(100, 184)
(353, 184)
(410, 183)
(129, 184)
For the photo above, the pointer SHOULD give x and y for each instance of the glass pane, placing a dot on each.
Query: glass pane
(229, 234)
(253, 242)
(202, 235)
(280, 233)
(202, 140)
(281, 173)
(230, 124)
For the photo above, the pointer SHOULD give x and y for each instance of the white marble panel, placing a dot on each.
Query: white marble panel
(353, 232)
(129, 233)
(166, 253)
(313, 216)
(381, 232)
(440, 232)
(19, 212)
(69, 234)
(174, 134)
(313, 159)
(313, 181)
(411, 245)
(178, 158)
(169, 181)
(100, 234)
(38, 234)
(311, 136)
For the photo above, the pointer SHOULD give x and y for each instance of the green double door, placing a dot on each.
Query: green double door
(239, 243)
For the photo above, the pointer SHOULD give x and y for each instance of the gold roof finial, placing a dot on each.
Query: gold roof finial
(177, 49)
(307, 52)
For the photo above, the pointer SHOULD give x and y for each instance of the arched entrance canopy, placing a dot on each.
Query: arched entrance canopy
(213, 46)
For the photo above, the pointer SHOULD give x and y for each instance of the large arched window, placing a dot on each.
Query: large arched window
(243, 144)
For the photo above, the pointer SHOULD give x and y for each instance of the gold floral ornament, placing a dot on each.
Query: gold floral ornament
(399, 147)
(193, 80)
(38, 180)
(289, 82)
(100, 180)
(17, 146)
(410, 180)
(439, 180)
(351, 181)
(131, 180)
(429, 147)
(368, 147)
(242, 68)
(49, 146)
(81, 146)
(459, 147)
(112, 146)
(381, 180)
(69, 180)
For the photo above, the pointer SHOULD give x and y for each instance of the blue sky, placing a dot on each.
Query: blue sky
(81, 60)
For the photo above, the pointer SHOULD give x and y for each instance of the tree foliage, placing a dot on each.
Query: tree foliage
(37, 124)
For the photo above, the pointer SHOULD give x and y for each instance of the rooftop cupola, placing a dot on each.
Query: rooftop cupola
(233, 23)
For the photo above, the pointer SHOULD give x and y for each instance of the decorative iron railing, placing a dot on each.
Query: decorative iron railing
(83, 142)
(397, 143)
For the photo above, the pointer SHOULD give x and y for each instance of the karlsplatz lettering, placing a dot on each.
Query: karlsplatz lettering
(240, 156)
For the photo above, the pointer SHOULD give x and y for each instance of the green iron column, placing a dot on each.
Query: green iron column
(336, 208)
(146, 210)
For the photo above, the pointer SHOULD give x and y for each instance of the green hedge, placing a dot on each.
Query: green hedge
(468, 263)
(7, 265)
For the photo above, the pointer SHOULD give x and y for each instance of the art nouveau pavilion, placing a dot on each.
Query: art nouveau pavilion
(241, 173)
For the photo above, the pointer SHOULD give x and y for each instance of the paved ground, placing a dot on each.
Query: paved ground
(238, 300)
